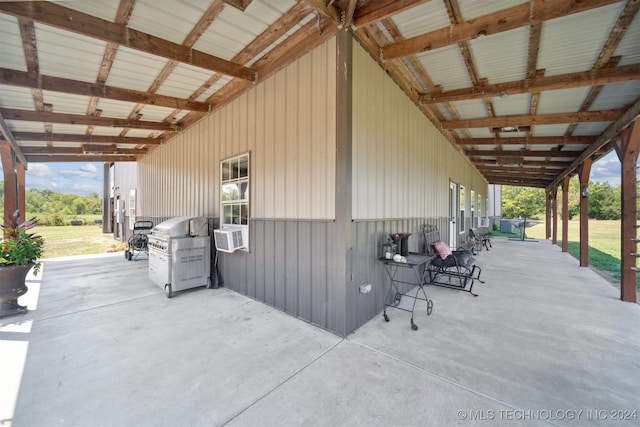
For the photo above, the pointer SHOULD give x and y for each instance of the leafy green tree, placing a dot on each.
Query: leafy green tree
(519, 202)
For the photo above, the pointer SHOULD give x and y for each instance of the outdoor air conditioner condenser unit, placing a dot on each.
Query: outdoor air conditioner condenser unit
(228, 240)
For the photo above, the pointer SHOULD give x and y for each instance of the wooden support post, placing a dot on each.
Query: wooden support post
(627, 148)
(547, 217)
(554, 231)
(21, 191)
(10, 183)
(583, 172)
(565, 214)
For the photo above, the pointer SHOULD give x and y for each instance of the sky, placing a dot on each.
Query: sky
(84, 178)
(70, 178)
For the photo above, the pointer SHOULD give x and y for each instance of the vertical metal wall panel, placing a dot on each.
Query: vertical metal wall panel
(320, 252)
(285, 121)
(402, 163)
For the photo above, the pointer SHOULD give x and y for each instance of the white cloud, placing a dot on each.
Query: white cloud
(89, 168)
(607, 169)
(39, 170)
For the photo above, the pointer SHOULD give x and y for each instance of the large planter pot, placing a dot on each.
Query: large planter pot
(12, 286)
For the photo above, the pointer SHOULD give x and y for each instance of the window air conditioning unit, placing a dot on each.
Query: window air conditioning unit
(228, 240)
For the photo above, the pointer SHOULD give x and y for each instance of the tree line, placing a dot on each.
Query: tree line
(604, 201)
(54, 208)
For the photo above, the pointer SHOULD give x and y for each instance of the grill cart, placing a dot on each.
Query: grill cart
(180, 254)
(138, 242)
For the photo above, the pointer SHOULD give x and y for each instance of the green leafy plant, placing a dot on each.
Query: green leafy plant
(18, 247)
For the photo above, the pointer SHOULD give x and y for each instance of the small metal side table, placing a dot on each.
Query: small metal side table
(416, 262)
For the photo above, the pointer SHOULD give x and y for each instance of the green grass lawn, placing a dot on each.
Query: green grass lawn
(76, 240)
(604, 244)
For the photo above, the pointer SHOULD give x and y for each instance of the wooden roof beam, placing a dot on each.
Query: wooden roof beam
(375, 11)
(39, 158)
(547, 164)
(83, 150)
(90, 26)
(8, 136)
(594, 77)
(605, 137)
(57, 84)
(539, 119)
(529, 140)
(526, 14)
(523, 182)
(81, 138)
(522, 153)
(76, 119)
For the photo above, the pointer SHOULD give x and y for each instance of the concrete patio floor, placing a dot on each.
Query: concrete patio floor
(545, 343)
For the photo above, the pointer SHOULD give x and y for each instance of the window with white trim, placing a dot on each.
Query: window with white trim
(234, 191)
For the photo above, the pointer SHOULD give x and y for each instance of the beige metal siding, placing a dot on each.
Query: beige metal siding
(287, 123)
(402, 164)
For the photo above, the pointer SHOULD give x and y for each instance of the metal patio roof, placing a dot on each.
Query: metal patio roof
(527, 90)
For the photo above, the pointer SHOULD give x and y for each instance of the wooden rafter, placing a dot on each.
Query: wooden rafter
(58, 84)
(564, 81)
(39, 158)
(540, 119)
(8, 136)
(530, 140)
(522, 153)
(605, 137)
(547, 164)
(606, 60)
(76, 119)
(522, 15)
(101, 149)
(375, 11)
(67, 19)
(93, 139)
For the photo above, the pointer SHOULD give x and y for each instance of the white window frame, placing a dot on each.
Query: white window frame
(235, 186)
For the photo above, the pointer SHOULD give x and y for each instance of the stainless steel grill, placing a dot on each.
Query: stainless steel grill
(180, 254)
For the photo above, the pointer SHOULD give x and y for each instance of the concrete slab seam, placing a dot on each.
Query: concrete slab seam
(286, 380)
(441, 378)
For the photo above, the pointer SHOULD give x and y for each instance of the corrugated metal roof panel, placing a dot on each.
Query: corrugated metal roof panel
(446, 67)
(116, 109)
(618, 95)
(567, 43)
(66, 103)
(183, 80)
(170, 20)
(471, 109)
(480, 133)
(550, 130)
(103, 9)
(11, 50)
(234, 29)
(422, 19)
(109, 131)
(472, 9)
(562, 101)
(512, 105)
(134, 70)
(154, 113)
(22, 126)
(139, 133)
(72, 56)
(629, 48)
(67, 128)
(223, 80)
(502, 57)
(595, 128)
(16, 97)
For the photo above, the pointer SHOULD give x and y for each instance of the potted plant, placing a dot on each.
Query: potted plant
(19, 252)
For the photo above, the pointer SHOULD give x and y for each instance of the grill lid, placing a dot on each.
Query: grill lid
(182, 226)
